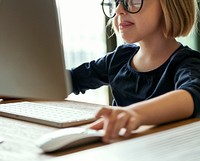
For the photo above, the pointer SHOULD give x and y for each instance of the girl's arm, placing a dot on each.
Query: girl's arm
(168, 107)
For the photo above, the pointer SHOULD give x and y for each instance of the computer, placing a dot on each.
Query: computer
(31, 51)
(32, 64)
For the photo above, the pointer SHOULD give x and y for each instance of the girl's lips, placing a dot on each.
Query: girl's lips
(125, 24)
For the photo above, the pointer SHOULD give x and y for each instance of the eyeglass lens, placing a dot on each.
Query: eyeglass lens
(132, 6)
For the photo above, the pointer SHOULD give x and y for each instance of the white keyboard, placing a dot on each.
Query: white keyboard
(49, 114)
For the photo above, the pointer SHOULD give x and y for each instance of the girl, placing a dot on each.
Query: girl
(156, 82)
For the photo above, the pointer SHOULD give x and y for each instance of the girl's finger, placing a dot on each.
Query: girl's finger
(120, 123)
(104, 111)
(97, 125)
(110, 123)
(131, 125)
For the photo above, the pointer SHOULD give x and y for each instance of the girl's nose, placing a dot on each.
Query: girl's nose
(120, 9)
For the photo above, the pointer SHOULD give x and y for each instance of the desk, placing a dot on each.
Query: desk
(20, 136)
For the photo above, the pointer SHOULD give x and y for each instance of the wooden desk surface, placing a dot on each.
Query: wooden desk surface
(19, 140)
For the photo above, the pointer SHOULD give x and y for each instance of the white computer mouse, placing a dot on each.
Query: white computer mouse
(67, 138)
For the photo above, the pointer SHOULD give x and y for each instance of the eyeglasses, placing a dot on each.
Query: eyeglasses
(131, 6)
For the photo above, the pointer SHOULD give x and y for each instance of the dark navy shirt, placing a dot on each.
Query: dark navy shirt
(128, 86)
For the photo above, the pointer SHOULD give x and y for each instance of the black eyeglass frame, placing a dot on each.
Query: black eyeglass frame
(124, 6)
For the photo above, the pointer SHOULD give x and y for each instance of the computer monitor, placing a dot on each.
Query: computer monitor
(31, 53)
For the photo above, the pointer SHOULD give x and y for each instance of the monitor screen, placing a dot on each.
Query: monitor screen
(31, 53)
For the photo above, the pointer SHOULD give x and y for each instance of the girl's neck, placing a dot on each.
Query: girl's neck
(153, 54)
(162, 47)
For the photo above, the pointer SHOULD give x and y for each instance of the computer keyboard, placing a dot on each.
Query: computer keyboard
(53, 114)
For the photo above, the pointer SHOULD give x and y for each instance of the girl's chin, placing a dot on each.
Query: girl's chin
(129, 41)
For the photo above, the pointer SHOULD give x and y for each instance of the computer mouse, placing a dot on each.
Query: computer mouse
(68, 138)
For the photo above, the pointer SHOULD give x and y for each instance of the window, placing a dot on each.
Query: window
(189, 40)
(83, 30)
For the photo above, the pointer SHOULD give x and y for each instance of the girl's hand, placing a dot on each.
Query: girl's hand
(113, 119)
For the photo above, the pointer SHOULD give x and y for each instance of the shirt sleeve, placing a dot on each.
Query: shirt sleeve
(95, 74)
(90, 75)
(188, 78)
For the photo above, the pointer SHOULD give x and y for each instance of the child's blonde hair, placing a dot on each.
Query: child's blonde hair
(179, 17)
